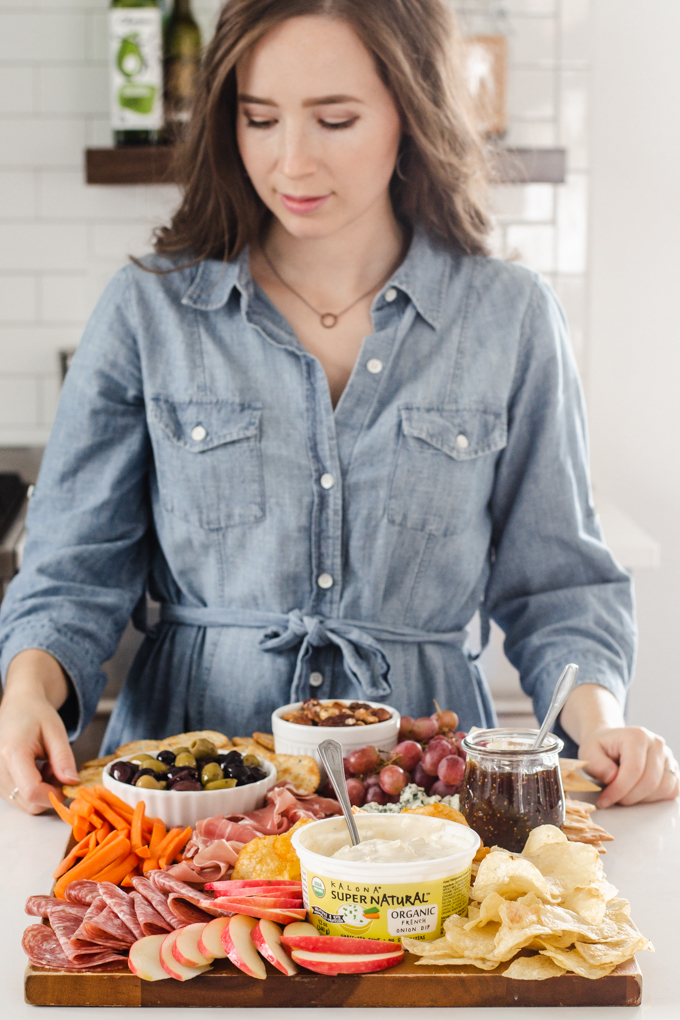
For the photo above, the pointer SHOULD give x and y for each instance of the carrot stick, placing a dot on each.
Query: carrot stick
(79, 850)
(81, 807)
(157, 836)
(117, 871)
(61, 809)
(81, 828)
(173, 847)
(122, 809)
(127, 882)
(103, 832)
(136, 825)
(103, 808)
(150, 864)
(95, 862)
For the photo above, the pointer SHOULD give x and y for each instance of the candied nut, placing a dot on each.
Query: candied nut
(337, 720)
(356, 705)
(311, 703)
(367, 717)
(300, 718)
(382, 714)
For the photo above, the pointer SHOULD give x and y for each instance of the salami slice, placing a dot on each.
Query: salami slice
(83, 891)
(65, 922)
(108, 930)
(39, 906)
(187, 913)
(148, 917)
(121, 904)
(185, 901)
(42, 947)
(157, 899)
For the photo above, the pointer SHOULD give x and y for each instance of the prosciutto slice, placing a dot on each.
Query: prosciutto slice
(212, 860)
(42, 947)
(150, 921)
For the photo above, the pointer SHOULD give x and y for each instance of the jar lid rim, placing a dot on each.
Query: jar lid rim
(473, 742)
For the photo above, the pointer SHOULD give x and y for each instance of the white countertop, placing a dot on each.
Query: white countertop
(644, 863)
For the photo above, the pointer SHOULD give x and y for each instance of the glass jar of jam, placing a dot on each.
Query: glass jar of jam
(509, 789)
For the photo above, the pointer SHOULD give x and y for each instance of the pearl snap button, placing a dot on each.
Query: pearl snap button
(390, 294)
(315, 679)
(462, 442)
(325, 581)
(198, 433)
(327, 481)
(374, 366)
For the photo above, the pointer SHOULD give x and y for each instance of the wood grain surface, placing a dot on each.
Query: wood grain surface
(405, 985)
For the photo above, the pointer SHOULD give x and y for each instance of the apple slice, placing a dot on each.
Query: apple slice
(346, 963)
(145, 958)
(273, 891)
(173, 967)
(339, 944)
(186, 951)
(266, 937)
(210, 942)
(269, 913)
(239, 946)
(266, 902)
(299, 928)
(232, 884)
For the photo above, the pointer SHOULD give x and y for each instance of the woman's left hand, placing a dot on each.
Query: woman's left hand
(632, 763)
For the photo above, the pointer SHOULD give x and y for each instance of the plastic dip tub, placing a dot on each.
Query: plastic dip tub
(371, 900)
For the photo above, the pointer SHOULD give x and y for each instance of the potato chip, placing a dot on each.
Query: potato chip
(532, 968)
(465, 961)
(572, 960)
(485, 912)
(438, 811)
(511, 877)
(566, 865)
(477, 942)
(270, 857)
(588, 903)
(509, 941)
(614, 951)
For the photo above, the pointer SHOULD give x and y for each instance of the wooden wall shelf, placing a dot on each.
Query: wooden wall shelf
(150, 164)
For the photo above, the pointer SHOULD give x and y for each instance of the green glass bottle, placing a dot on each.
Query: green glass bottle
(136, 64)
(182, 60)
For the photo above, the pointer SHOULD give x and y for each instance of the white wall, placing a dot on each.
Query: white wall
(634, 347)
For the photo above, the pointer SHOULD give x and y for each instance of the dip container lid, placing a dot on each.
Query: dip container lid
(499, 742)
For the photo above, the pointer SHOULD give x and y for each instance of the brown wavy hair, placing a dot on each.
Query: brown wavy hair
(441, 175)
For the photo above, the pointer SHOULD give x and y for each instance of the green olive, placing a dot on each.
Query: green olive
(139, 758)
(157, 766)
(202, 748)
(150, 783)
(180, 750)
(250, 760)
(185, 758)
(220, 784)
(211, 773)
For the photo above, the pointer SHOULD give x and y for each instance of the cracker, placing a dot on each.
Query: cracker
(265, 739)
(185, 739)
(137, 747)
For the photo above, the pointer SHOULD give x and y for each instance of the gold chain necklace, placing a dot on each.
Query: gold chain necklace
(327, 319)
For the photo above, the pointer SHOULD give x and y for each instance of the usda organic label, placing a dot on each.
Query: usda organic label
(387, 912)
(136, 68)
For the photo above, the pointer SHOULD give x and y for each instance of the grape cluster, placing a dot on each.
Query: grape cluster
(429, 754)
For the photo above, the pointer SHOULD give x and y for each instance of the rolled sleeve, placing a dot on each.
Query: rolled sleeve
(554, 587)
(86, 558)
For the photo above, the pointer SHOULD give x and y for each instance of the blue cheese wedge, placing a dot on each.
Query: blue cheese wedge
(412, 796)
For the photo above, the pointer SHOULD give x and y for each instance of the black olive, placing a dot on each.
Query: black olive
(186, 784)
(123, 771)
(239, 772)
(230, 758)
(181, 772)
(256, 774)
(167, 757)
(141, 772)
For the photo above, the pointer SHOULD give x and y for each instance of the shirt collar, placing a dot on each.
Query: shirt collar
(422, 276)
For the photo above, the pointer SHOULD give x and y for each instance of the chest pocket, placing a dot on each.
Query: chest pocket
(208, 461)
(444, 467)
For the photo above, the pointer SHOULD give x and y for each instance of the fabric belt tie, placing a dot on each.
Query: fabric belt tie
(363, 658)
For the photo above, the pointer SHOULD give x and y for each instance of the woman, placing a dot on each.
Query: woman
(321, 427)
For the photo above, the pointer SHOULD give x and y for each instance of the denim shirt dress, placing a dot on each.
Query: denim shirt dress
(196, 458)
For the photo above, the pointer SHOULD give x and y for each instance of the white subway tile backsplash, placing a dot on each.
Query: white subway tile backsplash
(530, 203)
(160, 202)
(532, 6)
(34, 350)
(98, 133)
(16, 90)
(49, 389)
(63, 298)
(39, 142)
(35, 246)
(118, 240)
(74, 89)
(575, 31)
(18, 194)
(18, 298)
(42, 35)
(18, 400)
(538, 134)
(97, 36)
(573, 129)
(65, 195)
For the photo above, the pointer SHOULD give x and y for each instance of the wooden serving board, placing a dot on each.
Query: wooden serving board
(405, 985)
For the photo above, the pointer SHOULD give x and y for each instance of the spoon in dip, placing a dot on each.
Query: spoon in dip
(330, 752)
(562, 690)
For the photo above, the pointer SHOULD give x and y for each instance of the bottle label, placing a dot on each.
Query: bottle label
(136, 53)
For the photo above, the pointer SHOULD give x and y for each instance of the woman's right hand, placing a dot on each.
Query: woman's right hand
(31, 730)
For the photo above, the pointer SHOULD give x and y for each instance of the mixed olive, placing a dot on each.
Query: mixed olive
(197, 767)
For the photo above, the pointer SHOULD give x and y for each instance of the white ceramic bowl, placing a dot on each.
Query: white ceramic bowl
(185, 807)
(291, 738)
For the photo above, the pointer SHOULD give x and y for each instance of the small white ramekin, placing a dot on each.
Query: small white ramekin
(291, 738)
(185, 807)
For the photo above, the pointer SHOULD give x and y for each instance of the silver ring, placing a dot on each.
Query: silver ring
(14, 793)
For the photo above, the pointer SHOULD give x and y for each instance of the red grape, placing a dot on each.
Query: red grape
(424, 728)
(393, 779)
(433, 756)
(327, 790)
(409, 754)
(451, 770)
(406, 728)
(356, 791)
(442, 790)
(446, 720)
(422, 778)
(376, 795)
(372, 780)
(345, 765)
(363, 760)
(440, 740)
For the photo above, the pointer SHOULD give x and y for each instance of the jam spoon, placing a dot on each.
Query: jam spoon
(562, 690)
(330, 752)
